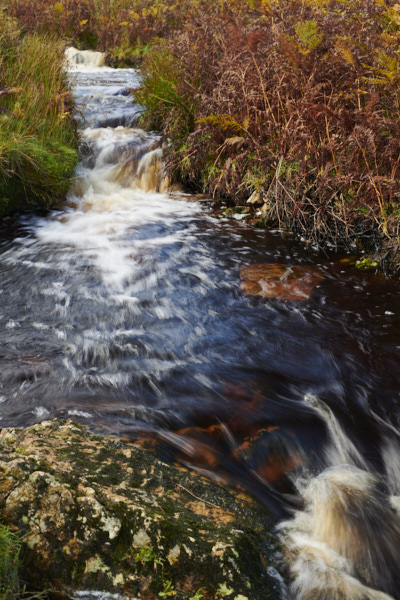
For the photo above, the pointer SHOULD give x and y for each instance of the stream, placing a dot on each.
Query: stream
(125, 310)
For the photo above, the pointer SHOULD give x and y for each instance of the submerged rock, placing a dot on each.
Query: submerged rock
(239, 213)
(102, 514)
(283, 282)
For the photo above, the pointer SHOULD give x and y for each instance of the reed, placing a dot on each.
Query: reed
(38, 147)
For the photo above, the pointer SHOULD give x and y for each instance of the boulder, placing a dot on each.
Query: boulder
(101, 514)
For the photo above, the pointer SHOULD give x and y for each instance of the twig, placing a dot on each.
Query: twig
(197, 497)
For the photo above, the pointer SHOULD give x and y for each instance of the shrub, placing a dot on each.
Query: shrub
(297, 100)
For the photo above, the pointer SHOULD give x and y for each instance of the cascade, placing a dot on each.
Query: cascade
(130, 317)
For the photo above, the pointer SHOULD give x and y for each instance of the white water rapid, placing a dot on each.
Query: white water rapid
(345, 544)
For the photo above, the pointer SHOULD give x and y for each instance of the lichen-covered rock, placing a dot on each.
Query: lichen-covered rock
(102, 514)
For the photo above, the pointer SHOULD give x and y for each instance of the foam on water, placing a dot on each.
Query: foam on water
(344, 544)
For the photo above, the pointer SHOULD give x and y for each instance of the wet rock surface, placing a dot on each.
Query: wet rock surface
(98, 513)
(283, 282)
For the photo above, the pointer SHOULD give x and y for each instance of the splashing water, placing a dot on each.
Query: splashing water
(125, 311)
(344, 543)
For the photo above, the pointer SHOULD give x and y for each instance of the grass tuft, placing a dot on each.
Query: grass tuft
(38, 142)
(9, 561)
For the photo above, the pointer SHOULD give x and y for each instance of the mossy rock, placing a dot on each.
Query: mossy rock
(102, 514)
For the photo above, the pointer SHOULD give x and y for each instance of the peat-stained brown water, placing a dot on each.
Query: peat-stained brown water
(125, 311)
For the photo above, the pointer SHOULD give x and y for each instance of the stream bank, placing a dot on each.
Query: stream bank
(295, 102)
(100, 514)
(38, 137)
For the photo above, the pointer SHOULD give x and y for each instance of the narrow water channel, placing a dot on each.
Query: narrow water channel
(125, 311)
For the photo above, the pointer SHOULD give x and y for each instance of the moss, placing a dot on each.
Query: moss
(135, 482)
(174, 536)
(81, 460)
(367, 264)
(109, 475)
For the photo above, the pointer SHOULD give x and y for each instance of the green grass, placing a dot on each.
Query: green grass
(162, 96)
(9, 561)
(38, 141)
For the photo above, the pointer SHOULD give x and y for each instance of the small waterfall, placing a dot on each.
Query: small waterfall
(87, 58)
(146, 174)
(136, 156)
(124, 157)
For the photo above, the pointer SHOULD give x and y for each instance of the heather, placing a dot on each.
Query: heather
(297, 101)
(37, 135)
(294, 100)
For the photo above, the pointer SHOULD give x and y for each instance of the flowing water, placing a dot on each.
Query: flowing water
(125, 312)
